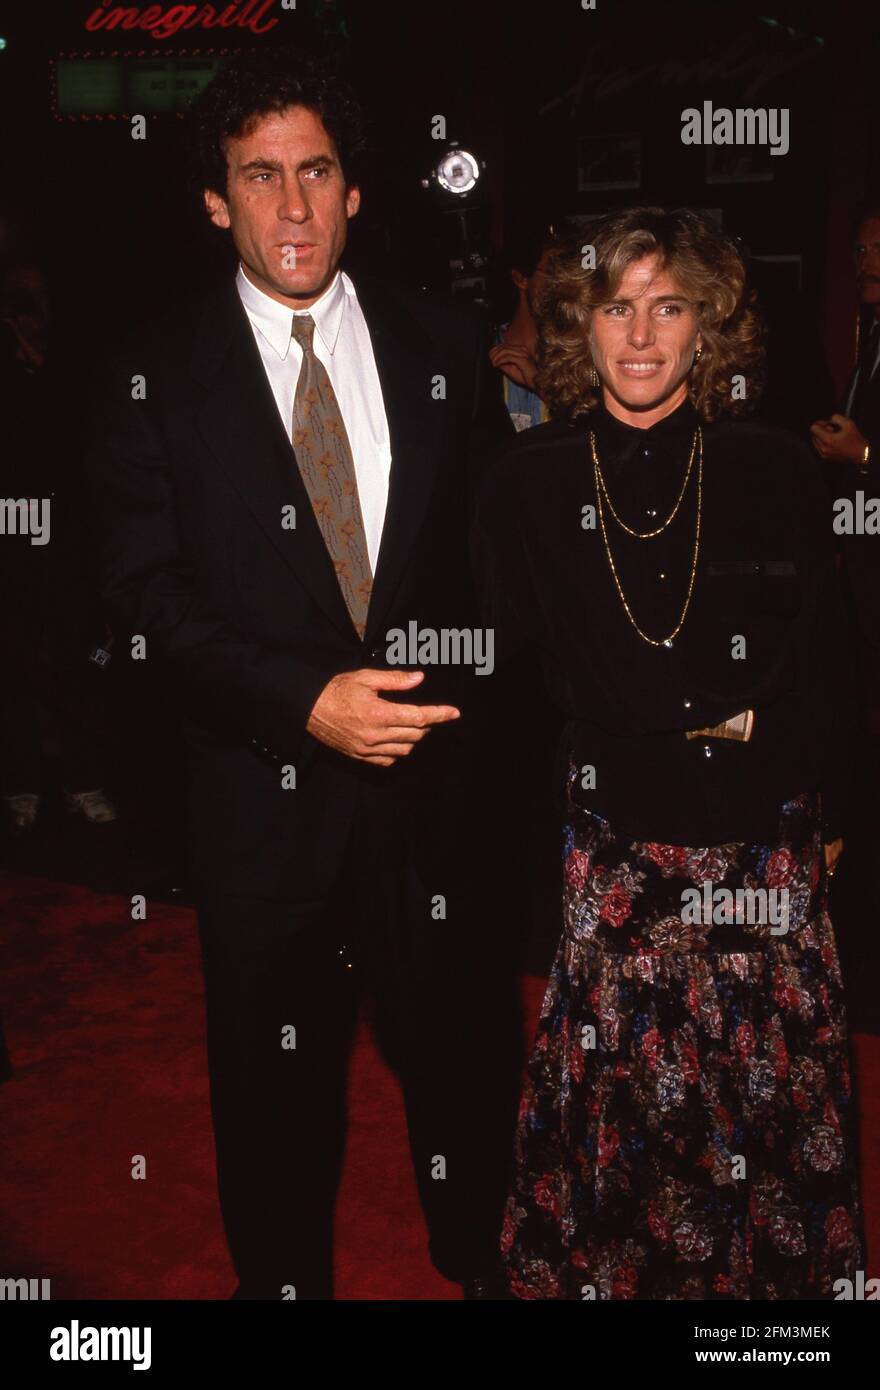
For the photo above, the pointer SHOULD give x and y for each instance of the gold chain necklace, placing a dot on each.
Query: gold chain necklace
(644, 535)
(653, 641)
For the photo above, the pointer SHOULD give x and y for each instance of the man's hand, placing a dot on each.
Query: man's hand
(516, 363)
(833, 852)
(349, 716)
(843, 444)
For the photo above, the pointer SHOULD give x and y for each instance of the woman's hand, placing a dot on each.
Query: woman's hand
(832, 855)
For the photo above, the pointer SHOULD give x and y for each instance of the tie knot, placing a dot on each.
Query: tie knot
(303, 330)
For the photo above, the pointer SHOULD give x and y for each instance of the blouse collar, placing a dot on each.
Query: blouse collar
(620, 442)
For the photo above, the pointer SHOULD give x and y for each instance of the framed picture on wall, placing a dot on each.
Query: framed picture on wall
(609, 161)
(738, 164)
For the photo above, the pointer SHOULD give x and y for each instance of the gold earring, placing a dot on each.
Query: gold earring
(594, 378)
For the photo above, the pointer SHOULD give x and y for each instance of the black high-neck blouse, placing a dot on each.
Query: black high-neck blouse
(766, 574)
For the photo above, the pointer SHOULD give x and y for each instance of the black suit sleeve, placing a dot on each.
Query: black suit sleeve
(232, 685)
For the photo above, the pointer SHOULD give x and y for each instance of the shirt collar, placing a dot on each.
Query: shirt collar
(274, 320)
(621, 441)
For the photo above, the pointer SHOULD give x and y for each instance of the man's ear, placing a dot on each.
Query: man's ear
(352, 200)
(216, 208)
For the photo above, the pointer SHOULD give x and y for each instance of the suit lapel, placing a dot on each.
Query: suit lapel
(405, 364)
(239, 422)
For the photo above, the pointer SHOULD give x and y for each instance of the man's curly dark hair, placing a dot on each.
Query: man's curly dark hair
(262, 81)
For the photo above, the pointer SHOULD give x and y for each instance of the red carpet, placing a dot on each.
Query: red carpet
(103, 1019)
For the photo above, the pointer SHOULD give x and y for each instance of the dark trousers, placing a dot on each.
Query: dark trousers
(446, 1016)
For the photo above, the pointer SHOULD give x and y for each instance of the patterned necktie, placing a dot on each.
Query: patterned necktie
(326, 466)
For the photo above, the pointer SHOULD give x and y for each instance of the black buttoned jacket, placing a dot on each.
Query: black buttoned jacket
(245, 619)
(765, 628)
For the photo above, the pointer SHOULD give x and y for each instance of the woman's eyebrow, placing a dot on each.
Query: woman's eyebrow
(654, 299)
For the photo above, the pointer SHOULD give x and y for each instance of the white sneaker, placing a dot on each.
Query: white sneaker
(95, 805)
(23, 809)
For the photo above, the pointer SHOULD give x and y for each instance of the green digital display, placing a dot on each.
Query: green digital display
(129, 85)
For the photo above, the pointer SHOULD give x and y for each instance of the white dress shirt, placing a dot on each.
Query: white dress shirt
(342, 343)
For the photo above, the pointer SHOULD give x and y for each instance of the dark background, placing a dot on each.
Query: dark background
(519, 83)
(522, 85)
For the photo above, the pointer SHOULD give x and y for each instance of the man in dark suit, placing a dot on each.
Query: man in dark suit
(288, 487)
(850, 442)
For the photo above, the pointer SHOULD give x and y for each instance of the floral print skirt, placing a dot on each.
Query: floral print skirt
(684, 1132)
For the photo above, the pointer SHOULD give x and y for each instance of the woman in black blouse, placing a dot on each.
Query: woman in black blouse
(685, 1127)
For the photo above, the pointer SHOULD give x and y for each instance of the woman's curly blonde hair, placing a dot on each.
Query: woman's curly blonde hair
(711, 274)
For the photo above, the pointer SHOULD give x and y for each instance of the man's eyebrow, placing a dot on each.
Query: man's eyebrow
(260, 162)
(314, 159)
(264, 162)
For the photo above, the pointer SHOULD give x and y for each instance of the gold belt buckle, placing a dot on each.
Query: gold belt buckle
(738, 727)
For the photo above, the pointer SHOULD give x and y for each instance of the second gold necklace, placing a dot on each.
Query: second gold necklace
(603, 499)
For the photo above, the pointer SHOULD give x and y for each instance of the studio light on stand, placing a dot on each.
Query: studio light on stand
(457, 171)
(457, 188)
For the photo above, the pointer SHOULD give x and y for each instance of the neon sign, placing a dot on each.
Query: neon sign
(163, 21)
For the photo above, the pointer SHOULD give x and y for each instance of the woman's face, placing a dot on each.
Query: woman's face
(643, 344)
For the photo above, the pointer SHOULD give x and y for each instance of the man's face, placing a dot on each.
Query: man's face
(643, 343)
(286, 205)
(532, 285)
(867, 257)
(536, 282)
